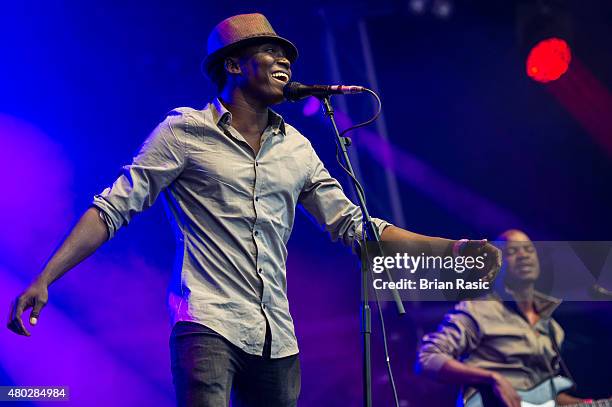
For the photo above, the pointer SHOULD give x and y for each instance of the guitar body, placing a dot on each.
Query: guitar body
(538, 396)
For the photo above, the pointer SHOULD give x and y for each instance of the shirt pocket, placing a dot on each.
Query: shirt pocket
(214, 176)
(290, 172)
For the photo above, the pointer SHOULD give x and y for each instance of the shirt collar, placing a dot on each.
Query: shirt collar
(544, 304)
(277, 122)
(223, 117)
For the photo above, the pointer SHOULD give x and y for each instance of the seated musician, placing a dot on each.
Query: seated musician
(500, 346)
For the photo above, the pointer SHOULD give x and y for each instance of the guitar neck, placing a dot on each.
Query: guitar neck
(596, 403)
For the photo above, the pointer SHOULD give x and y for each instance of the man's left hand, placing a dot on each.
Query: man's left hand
(492, 256)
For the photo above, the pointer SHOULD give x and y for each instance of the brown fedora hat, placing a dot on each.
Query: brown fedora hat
(239, 31)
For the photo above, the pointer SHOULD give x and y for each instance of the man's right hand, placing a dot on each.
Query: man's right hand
(504, 391)
(86, 236)
(35, 297)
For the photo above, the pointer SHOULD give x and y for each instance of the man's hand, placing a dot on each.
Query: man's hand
(35, 297)
(491, 254)
(86, 236)
(504, 391)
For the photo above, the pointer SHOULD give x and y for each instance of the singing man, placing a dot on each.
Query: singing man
(231, 175)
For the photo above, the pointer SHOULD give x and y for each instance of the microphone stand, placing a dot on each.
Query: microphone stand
(372, 236)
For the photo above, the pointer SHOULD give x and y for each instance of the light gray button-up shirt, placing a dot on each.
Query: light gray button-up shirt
(233, 212)
(495, 335)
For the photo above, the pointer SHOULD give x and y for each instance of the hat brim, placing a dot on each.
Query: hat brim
(210, 60)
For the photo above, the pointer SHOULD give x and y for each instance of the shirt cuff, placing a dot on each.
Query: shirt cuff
(108, 214)
(379, 224)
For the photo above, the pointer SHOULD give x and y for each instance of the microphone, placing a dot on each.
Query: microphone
(295, 91)
(601, 293)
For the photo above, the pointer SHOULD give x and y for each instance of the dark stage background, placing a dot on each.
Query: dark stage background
(477, 147)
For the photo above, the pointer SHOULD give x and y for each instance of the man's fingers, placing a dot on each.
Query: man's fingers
(496, 254)
(16, 324)
(10, 315)
(475, 246)
(516, 399)
(35, 314)
(9, 322)
(492, 252)
(512, 401)
(21, 306)
(493, 261)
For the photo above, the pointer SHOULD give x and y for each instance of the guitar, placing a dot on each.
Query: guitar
(538, 396)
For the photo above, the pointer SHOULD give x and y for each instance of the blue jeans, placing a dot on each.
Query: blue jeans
(207, 371)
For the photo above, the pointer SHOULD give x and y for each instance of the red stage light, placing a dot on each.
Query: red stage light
(548, 60)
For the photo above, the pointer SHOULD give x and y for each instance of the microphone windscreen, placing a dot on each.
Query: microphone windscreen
(291, 91)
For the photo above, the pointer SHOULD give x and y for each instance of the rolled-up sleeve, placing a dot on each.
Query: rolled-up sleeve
(158, 162)
(323, 198)
(457, 334)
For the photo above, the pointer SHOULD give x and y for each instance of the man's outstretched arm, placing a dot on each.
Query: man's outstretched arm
(85, 238)
(159, 161)
(395, 234)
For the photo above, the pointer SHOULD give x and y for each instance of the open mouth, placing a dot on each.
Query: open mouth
(281, 76)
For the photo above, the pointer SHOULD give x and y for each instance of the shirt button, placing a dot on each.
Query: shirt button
(260, 270)
(263, 306)
(256, 233)
(256, 164)
(257, 198)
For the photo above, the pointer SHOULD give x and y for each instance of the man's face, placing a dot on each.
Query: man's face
(521, 259)
(264, 71)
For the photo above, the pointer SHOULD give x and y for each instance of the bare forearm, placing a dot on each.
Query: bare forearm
(393, 233)
(456, 372)
(414, 243)
(437, 245)
(86, 237)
